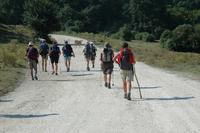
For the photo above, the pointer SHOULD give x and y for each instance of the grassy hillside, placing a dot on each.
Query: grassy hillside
(12, 55)
(152, 54)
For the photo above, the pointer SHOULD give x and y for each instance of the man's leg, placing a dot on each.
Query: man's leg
(46, 64)
(105, 80)
(56, 65)
(52, 64)
(128, 83)
(88, 62)
(109, 80)
(43, 63)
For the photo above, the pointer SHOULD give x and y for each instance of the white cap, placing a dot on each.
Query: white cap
(30, 44)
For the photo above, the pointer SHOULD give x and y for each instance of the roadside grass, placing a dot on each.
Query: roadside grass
(187, 64)
(12, 55)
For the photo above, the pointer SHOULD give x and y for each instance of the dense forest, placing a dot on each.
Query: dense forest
(125, 19)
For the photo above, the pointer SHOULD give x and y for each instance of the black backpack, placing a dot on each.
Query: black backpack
(88, 50)
(107, 55)
(125, 63)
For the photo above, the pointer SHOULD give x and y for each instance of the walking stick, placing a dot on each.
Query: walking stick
(113, 78)
(138, 85)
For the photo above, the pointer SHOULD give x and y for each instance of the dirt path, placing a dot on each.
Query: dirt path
(76, 102)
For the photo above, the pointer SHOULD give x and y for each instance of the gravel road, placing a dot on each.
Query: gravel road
(76, 102)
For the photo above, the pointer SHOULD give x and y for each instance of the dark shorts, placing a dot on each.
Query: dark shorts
(54, 59)
(92, 57)
(88, 57)
(107, 68)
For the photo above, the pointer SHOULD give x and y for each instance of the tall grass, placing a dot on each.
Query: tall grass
(12, 55)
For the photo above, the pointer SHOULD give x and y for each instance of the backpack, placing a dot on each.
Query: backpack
(44, 49)
(93, 49)
(125, 63)
(107, 55)
(32, 53)
(87, 50)
(55, 51)
(67, 50)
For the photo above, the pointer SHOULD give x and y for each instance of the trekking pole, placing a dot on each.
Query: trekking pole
(138, 85)
(113, 78)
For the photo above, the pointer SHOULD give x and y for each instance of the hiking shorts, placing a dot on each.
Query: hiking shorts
(88, 57)
(45, 56)
(67, 58)
(127, 75)
(33, 64)
(92, 57)
(54, 60)
(107, 68)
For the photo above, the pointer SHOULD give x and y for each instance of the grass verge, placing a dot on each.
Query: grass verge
(12, 55)
(187, 64)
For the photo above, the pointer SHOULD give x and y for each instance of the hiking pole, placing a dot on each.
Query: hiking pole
(138, 85)
(113, 78)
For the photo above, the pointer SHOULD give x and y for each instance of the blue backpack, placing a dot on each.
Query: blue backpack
(67, 50)
(44, 49)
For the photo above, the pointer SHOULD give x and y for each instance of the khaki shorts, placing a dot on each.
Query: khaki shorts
(33, 64)
(127, 75)
(45, 56)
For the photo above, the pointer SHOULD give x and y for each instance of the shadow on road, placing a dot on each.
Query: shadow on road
(79, 75)
(18, 116)
(5, 101)
(164, 99)
(59, 80)
(153, 87)
(143, 88)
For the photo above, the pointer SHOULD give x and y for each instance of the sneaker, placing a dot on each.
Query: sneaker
(109, 86)
(129, 96)
(106, 85)
(125, 96)
(36, 78)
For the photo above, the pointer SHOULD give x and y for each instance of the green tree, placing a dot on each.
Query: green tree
(11, 11)
(146, 15)
(41, 15)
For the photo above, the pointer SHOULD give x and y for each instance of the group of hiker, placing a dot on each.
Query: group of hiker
(125, 60)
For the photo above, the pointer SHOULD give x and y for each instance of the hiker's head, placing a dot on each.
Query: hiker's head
(107, 45)
(66, 42)
(125, 45)
(30, 44)
(55, 43)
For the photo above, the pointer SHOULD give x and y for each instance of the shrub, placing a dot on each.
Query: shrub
(183, 38)
(167, 34)
(145, 36)
(126, 33)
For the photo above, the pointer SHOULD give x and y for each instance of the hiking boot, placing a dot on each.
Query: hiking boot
(109, 86)
(92, 66)
(53, 73)
(129, 96)
(45, 70)
(32, 78)
(56, 73)
(106, 85)
(36, 78)
(125, 96)
(88, 69)
(68, 69)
